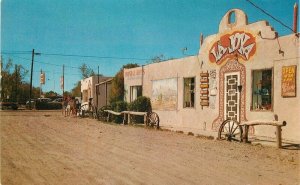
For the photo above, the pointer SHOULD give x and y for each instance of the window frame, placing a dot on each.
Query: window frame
(131, 92)
(183, 94)
(252, 109)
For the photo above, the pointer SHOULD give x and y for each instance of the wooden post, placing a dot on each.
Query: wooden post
(145, 119)
(245, 134)
(128, 120)
(108, 117)
(124, 119)
(278, 136)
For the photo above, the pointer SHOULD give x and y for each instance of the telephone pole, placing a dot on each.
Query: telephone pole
(41, 84)
(63, 81)
(97, 88)
(31, 73)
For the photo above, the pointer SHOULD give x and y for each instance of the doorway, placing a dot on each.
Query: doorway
(231, 96)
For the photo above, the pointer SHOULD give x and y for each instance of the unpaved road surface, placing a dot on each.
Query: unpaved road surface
(47, 148)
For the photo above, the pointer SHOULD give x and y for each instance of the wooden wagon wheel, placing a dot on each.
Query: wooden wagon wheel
(82, 110)
(153, 120)
(230, 130)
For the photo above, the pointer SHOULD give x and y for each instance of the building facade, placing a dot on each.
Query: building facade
(103, 90)
(88, 88)
(243, 72)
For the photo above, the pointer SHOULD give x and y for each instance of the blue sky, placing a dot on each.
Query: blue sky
(115, 28)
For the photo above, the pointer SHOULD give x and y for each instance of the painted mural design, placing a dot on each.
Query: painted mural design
(164, 94)
(238, 43)
(229, 67)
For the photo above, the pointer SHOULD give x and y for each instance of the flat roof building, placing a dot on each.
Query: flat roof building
(243, 72)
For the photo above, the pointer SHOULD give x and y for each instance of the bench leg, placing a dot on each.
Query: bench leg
(124, 119)
(128, 120)
(145, 120)
(278, 136)
(245, 134)
(107, 117)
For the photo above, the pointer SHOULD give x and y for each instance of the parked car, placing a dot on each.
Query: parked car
(44, 100)
(58, 100)
(8, 105)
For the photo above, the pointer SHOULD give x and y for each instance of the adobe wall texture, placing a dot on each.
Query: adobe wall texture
(259, 48)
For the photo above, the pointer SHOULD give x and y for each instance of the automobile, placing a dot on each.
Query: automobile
(32, 101)
(44, 100)
(58, 100)
(8, 105)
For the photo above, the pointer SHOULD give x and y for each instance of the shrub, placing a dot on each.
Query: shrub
(101, 114)
(48, 105)
(141, 104)
(118, 106)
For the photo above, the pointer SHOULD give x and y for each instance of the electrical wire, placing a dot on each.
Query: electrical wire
(73, 55)
(265, 12)
(92, 56)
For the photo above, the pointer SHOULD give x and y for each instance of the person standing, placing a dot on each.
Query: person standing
(64, 106)
(68, 106)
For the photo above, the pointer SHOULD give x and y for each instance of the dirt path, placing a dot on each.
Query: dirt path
(46, 148)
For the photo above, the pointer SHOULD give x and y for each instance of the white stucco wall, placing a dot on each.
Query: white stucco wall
(266, 56)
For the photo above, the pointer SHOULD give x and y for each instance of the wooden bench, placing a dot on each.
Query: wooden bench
(276, 123)
(111, 112)
(126, 115)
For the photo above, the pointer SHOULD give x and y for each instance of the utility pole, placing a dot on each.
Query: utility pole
(97, 88)
(98, 74)
(31, 73)
(30, 88)
(63, 81)
(16, 93)
(41, 84)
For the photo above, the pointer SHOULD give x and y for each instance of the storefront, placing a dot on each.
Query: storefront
(244, 72)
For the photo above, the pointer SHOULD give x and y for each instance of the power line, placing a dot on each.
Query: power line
(73, 55)
(280, 22)
(92, 56)
(15, 52)
(51, 64)
(47, 63)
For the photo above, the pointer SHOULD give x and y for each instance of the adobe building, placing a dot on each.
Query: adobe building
(88, 88)
(197, 93)
(103, 92)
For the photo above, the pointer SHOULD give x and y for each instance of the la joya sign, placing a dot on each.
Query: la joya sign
(238, 43)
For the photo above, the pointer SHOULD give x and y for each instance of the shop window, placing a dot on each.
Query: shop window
(262, 90)
(189, 92)
(135, 92)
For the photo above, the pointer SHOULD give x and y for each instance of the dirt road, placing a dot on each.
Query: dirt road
(47, 148)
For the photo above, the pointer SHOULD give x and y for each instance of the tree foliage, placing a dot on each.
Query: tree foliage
(13, 84)
(76, 91)
(86, 71)
(117, 89)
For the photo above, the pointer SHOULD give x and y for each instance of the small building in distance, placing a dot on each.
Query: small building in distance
(88, 88)
(103, 93)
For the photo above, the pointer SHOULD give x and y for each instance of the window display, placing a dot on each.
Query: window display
(262, 89)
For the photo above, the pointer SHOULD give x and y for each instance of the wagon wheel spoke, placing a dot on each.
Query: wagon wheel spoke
(153, 120)
(230, 130)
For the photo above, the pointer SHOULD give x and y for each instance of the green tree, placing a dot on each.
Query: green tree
(12, 81)
(50, 94)
(86, 71)
(117, 88)
(76, 91)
